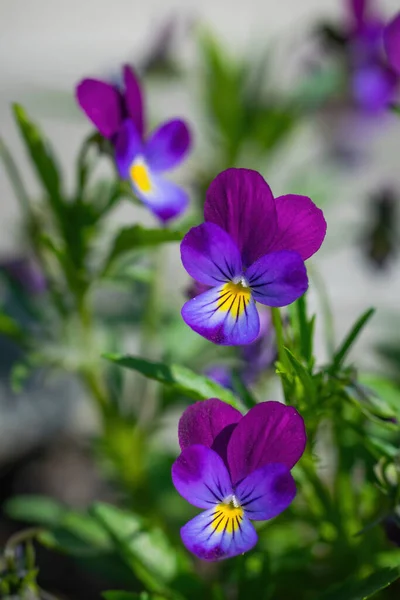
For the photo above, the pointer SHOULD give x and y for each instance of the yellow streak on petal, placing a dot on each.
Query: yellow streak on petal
(234, 297)
(140, 177)
(227, 517)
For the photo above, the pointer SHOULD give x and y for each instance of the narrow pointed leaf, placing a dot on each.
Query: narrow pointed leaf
(361, 589)
(14, 176)
(341, 354)
(136, 238)
(42, 159)
(180, 378)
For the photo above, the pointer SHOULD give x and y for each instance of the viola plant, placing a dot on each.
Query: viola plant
(251, 248)
(297, 495)
(141, 158)
(358, 42)
(238, 468)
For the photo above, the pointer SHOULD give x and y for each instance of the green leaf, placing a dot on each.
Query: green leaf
(39, 510)
(147, 552)
(137, 237)
(180, 378)
(11, 329)
(14, 176)
(242, 390)
(382, 391)
(42, 158)
(223, 87)
(303, 375)
(131, 596)
(72, 532)
(341, 354)
(269, 125)
(360, 589)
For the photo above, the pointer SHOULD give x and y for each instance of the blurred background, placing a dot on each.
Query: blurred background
(346, 160)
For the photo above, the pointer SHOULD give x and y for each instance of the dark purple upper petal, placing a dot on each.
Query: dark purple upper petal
(200, 476)
(278, 278)
(301, 226)
(203, 421)
(102, 104)
(128, 146)
(266, 492)
(270, 433)
(210, 255)
(134, 99)
(391, 39)
(358, 10)
(241, 202)
(168, 145)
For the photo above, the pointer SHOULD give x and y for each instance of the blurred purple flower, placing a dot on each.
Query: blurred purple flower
(25, 273)
(221, 374)
(252, 247)
(142, 159)
(391, 38)
(238, 469)
(255, 358)
(262, 353)
(373, 82)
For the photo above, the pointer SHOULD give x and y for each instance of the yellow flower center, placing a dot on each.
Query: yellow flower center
(227, 516)
(140, 177)
(234, 297)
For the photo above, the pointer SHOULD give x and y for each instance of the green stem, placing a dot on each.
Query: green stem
(147, 346)
(280, 342)
(90, 372)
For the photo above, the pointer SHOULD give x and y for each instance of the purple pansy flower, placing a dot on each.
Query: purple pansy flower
(238, 469)
(391, 39)
(373, 82)
(141, 158)
(251, 248)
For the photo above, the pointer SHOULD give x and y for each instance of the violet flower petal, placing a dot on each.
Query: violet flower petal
(358, 9)
(301, 226)
(128, 147)
(203, 421)
(212, 536)
(266, 492)
(102, 104)
(270, 433)
(210, 255)
(134, 99)
(200, 476)
(391, 40)
(277, 279)
(374, 87)
(224, 315)
(165, 199)
(241, 202)
(168, 145)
